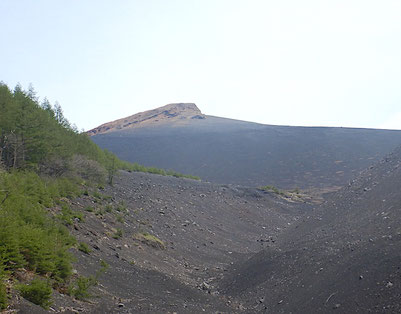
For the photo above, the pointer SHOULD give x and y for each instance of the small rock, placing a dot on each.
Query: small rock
(120, 305)
(360, 277)
(336, 306)
(205, 286)
(389, 284)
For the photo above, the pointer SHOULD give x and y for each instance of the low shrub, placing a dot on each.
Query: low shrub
(68, 216)
(108, 208)
(3, 290)
(80, 288)
(150, 239)
(83, 247)
(97, 195)
(89, 209)
(134, 167)
(88, 169)
(3, 295)
(37, 291)
(120, 218)
(122, 207)
(118, 234)
(271, 188)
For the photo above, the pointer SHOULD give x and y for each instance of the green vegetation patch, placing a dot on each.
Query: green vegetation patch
(271, 188)
(38, 291)
(139, 168)
(83, 247)
(120, 218)
(89, 209)
(80, 288)
(295, 195)
(3, 296)
(29, 237)
(118, 234)
(68, 216)
(150, 240)
(3, 290)
(122, 207)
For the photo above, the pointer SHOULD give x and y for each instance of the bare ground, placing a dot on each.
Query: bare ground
(196, 247)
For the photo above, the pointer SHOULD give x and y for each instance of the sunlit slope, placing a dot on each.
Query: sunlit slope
(231, 151)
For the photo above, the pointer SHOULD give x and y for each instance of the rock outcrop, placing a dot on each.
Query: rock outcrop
(177, 113)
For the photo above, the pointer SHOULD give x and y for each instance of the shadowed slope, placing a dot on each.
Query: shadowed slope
(178, 237)
(345, 256)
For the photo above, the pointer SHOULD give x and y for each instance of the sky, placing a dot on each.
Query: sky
(309, 63)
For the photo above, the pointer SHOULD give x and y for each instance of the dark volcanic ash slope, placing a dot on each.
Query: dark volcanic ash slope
(204, 229)
(181, 138)
(344, 257)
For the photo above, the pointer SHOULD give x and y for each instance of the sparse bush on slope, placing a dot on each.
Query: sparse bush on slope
(271, 188)
(80, 288)
(134, 167)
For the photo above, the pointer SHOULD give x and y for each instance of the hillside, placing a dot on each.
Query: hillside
(230, 151)
(178, 237)
(45, 164)
(343, 256)
(83, 231)
(179, 245)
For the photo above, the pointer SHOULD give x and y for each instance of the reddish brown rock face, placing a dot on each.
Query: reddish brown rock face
(179, 113)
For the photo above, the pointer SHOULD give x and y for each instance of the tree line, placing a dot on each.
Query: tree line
(37, 136)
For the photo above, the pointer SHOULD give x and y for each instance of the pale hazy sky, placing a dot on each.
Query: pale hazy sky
(332, 63)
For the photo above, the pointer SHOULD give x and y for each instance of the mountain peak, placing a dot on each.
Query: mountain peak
(171, 113)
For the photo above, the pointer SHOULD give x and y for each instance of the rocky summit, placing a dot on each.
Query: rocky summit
(177, 113)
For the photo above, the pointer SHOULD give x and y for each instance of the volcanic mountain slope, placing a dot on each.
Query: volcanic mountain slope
(169, 241)
(344, 256)
(179, 245)
(181, 138)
